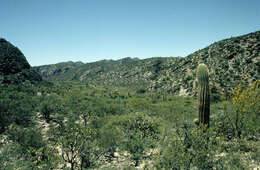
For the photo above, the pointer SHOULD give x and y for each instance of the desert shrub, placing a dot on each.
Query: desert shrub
(12, 156)
(141, 132)
(222, 121)
(240, 117)
(246, 101)
(49, 106)
(26, 137)
(26, 149)
(141, 91)
(110, 138)
(134, 133)
(138, 104)
(77, 144)
(188, 147)
(16, 106)
(215, 97)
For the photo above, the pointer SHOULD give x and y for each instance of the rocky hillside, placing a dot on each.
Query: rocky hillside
(123, 72)
(228, 60)
(51, 71)
(14, 67)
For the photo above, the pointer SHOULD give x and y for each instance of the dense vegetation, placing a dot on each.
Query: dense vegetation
(81, 126)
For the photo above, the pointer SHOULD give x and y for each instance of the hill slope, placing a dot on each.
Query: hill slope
(228, 60)
(14, 67)
(51, 71)
(123, 72)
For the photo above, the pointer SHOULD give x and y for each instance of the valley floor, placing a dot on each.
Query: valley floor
(86, 126)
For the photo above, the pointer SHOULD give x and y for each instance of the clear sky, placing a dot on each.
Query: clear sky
(51, 31)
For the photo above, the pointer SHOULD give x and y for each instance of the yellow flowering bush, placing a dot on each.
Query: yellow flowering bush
(246, 101)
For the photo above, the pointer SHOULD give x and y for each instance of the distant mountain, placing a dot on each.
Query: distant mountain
(51, 71)
(228, 61)
(123, 72)
(14, 67)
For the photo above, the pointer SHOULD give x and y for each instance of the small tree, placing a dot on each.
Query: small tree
(77, 143)
(49, 106)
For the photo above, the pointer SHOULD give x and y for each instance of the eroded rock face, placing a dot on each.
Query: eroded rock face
(14, 68)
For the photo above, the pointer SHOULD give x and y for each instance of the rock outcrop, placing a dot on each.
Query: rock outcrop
(14, 68)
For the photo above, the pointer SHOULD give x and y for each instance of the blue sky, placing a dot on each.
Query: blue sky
(51, 31)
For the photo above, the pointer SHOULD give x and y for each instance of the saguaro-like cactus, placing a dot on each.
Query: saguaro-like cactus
(204, 96)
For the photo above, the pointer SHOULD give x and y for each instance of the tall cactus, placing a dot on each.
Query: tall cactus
(204, 96)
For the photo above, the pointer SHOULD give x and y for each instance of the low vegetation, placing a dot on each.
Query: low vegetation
(85, 126)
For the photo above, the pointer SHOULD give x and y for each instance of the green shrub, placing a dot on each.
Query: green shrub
(134, 133)
(49, 106)
(246, 101)
(141, 91)
(188, 148)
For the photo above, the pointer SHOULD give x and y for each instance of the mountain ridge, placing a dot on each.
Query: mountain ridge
(228, 60)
